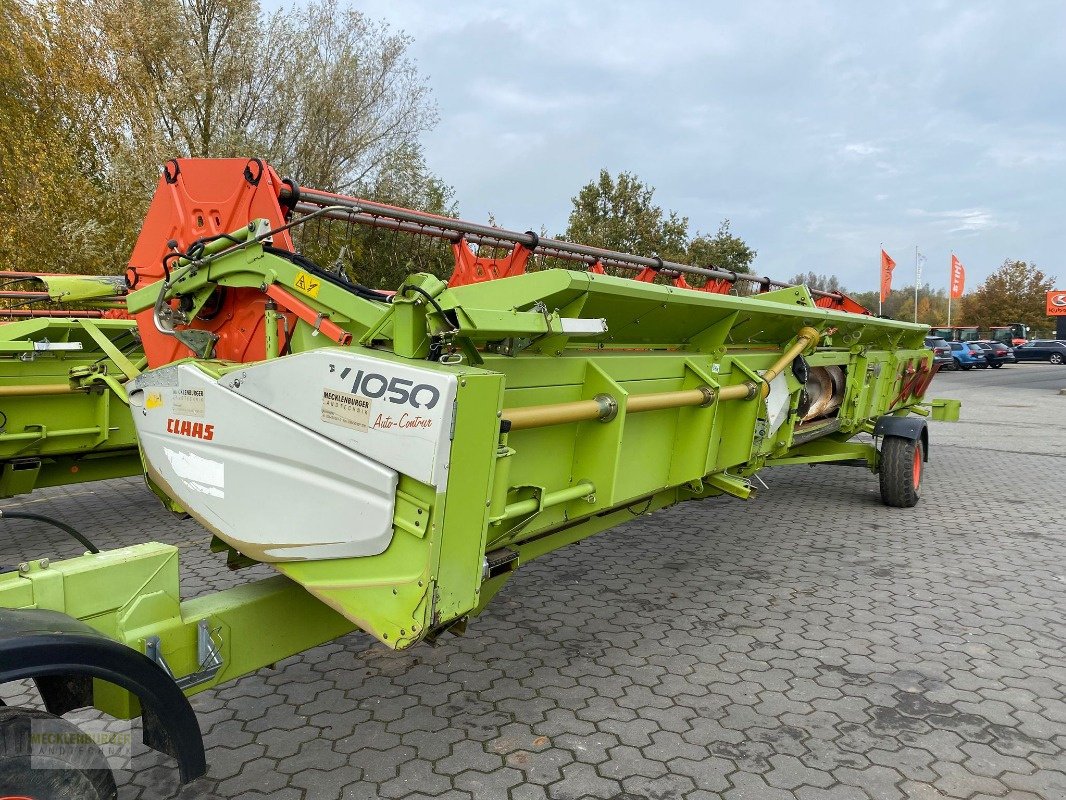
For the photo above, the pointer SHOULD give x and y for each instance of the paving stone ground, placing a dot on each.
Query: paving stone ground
(809, 645)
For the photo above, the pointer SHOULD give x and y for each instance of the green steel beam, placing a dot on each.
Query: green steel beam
(132, 595)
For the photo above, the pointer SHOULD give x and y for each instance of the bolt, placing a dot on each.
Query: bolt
(44, 563)
(24, 567)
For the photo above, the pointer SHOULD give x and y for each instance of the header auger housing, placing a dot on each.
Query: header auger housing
(397, 455)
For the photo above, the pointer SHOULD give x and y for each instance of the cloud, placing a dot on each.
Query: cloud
(1037, 151)
(820, 128)
(861, 149)
(963, 220)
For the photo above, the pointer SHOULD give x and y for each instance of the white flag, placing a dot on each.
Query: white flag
(919, 263)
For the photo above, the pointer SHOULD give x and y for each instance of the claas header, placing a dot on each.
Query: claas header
(397, 455)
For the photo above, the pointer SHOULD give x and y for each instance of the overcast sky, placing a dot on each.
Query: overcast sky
(821, 129)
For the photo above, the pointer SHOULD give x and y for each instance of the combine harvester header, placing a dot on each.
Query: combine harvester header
(396, 456)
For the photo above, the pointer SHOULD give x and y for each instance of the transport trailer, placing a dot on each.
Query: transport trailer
(397, 456)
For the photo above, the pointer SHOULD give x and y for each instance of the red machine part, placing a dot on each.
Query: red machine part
(713, 285)
(914, 381)
(317, 321)
(470, 268)
(649, 274)
(200, 199)
(839, 301)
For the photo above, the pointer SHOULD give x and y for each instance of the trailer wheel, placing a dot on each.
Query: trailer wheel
(50, 771)
(901, 471)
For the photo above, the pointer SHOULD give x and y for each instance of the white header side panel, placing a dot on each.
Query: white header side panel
(398, 415)
(268, 487)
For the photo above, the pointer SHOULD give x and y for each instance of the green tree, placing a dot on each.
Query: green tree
(932, 304)
(620, 214)
(1016, 292)
(825, 283)
(724, 250)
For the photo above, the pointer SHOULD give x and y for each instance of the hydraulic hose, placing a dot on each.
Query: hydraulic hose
(92, 548)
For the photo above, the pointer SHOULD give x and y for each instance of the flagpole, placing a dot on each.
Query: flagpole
(915, 283)
(880, 269)
(951, 275)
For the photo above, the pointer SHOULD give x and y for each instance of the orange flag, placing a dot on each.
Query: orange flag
(887, 265)
(958, 277)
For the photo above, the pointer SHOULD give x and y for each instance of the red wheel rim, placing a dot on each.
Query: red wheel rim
(917, 471)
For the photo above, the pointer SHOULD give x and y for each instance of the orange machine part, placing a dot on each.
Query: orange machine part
(469, 268)
(841, 302)
(197, 199)
(712, 285)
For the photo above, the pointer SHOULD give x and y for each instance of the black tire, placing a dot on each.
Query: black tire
(997, 366)
(967, 367)
(902, 467)
(1055, 358)
(56, 772)
(956, 365)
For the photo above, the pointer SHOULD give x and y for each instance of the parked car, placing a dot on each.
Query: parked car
(978, 351)
(1052, 350)
(966, 357)
(941, 351)
(997, 354)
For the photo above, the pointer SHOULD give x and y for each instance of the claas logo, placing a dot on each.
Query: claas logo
(194, 430)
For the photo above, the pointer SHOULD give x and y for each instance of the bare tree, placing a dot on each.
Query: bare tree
(321, 91)
(353, 100)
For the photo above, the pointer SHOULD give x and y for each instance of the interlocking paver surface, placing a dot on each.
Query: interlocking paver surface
(810, 644)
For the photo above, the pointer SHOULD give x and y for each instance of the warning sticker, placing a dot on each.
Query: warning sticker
(307, 284)
(349, 410)
(188, 403)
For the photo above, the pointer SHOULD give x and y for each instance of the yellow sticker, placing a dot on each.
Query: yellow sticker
(307, 284)
(153, 400)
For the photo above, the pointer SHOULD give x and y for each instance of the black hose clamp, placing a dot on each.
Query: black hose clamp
(168, 176)
(254, 178)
